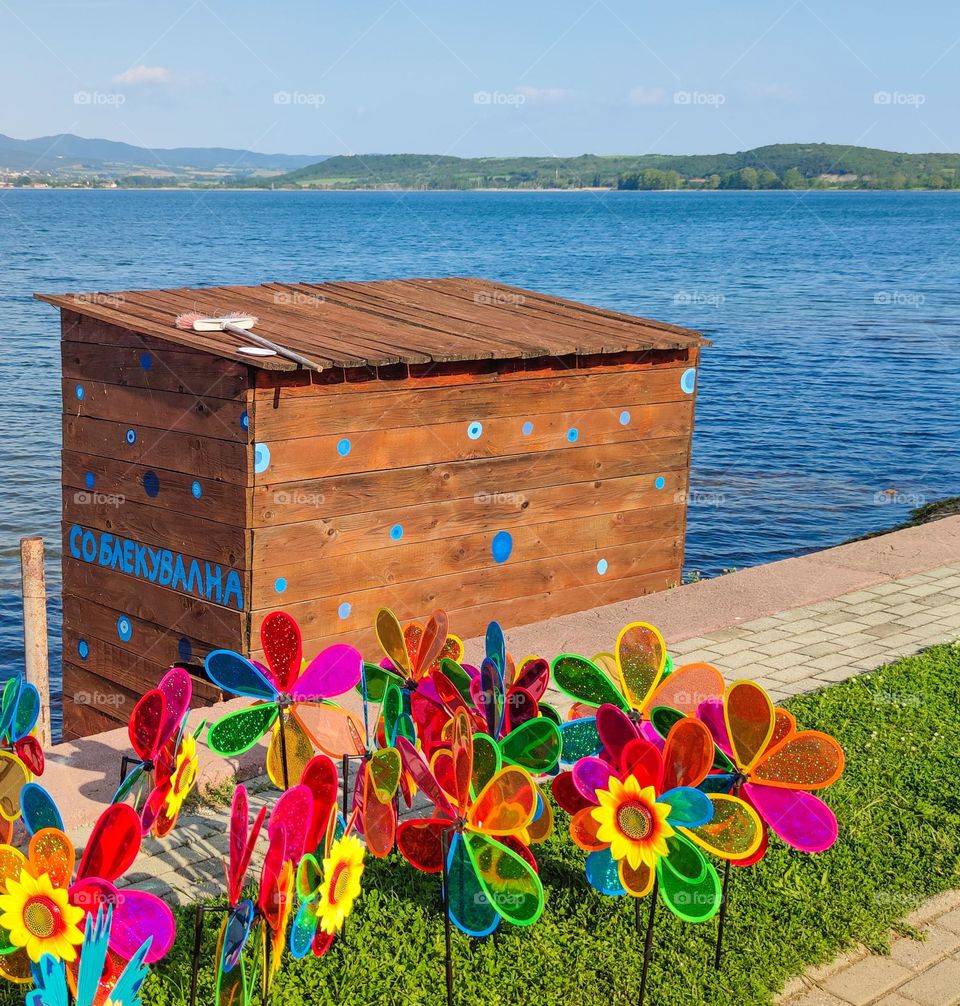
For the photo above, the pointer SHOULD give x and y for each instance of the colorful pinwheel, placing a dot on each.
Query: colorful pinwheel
(43, 903)
(642, 821)
(294, 703)
(490, 872)
(19, 712)
(641, 661)
(54, 987)
(774, 765)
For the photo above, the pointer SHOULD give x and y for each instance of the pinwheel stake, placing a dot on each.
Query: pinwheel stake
(281, 726)
(448, 951)
(199, 913)
(722, 918)
(648, 939)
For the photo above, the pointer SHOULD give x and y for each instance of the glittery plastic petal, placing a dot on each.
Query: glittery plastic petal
(240, 730)
(583, 680)
(283, 647)
(802, 820)
(805, 760)
(52, 852)
(749, 718)
(687, 754)
(296, 747)
(641, 655)
(506, 805)
(734, 831)
(579, 738)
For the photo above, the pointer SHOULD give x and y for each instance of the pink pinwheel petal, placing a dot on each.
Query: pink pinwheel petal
(590, 775)
(137, 916)
(711, 713)
(616, 730)
(291, 818)
(802, 820)
(333, 671)
(428, 690)
(177, 688)
(647, 730)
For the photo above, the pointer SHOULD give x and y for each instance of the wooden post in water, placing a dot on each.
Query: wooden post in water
(36, 652)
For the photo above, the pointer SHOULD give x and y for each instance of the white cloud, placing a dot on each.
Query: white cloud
(545, 95)
(645, 97)
(144, 75)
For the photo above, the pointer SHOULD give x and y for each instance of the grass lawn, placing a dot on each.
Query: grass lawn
(899, 843)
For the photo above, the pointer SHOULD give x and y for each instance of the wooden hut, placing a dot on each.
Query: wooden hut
(493, 451)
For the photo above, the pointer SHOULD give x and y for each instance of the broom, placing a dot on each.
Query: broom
(240, 324)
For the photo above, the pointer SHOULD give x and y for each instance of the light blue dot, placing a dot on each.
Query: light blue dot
(624, 418)
(184, 650)
(527, 428)
(80, 393)
(280, 585)
(89, 480)
(396, 532)
(197, 490)
(688, 380)
(344, 610)
(151, 484)
(475, 430)
(146, 361)
(124, 628)
(501, 546)
(261, 458)
(131, 436)
(244, 421)
(343, 447)
(602, 567)
(573, 434)
(83, 649)
(660, 482)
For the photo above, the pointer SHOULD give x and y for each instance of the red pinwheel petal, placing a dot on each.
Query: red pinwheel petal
(283, 647)
(145, 722)
(421, 842)
(616, 730)
(292, 818)
(320, 777)
(423, 778)
(521, 707)
(322, 942)
(31, 754)
(177, 688)
(534, 677)
(242, 842)
(515, 845)
(113, 844)
(644, 762)
(566, 794)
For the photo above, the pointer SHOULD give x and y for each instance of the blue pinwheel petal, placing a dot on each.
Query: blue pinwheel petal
(690, 808)
(237, 675)
(603, 874)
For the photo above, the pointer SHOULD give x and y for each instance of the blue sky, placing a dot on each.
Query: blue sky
(499, 78)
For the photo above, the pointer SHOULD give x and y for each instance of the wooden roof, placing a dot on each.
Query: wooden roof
(385, 322)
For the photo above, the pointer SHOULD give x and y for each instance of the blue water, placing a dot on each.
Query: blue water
(835, 316)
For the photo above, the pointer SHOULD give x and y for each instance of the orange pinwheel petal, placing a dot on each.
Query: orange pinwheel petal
(583, 830)
(334, 730)
(806, 760)
(687, 754)
(50, 851)
(299, 751)
(637, 882)
(641, 658)
(784, 724)
(391, 639)
(506, 805)
(12, 862)
(748, 714)
(687, 687)
(431, 642)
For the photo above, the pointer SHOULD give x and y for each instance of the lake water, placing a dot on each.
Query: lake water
(835, 318)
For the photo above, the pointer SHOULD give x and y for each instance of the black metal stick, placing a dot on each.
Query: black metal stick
(648, 940)
(197, 939)
(345, 771)
(283, 751)
(267, 956)
(723, 915)
(446, 918)
(125, 762)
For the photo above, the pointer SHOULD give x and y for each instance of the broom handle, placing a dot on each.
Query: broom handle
(267, 344)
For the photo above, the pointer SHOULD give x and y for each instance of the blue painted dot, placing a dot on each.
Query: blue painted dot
(196, 490)
(624, 418)
(89, 480)
(573, 434)
(688, 380)
(124, 628)
(501, 546)
(343, 447)
(527, 428)
(80, 393)
(151, 484)
(280, 585)
(660, 482)
(184, 650)
(344, 610)
(396, 532)
(602, 567)
(475, 430)
(244, 421)
(146, 361)
(131, 436)
(261, 458)
(83, 649)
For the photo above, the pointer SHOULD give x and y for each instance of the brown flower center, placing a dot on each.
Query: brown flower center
(41, 917)
(635, 820)
(338, 886)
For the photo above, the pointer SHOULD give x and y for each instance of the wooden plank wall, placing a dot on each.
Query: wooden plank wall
(156, 456)
(390, 488)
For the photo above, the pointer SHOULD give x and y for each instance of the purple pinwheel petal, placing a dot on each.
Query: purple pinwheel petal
(802, 820)
(711, 713)
(137, 916)
(333, 671)
(590, 775)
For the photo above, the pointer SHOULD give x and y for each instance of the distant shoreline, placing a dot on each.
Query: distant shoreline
(512, 191)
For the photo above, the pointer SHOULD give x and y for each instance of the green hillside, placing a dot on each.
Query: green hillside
(785, 165)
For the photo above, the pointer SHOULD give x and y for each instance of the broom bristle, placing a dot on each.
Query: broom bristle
(187, 321)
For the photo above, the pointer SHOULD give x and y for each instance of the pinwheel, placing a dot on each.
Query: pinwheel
(38, 809)
(51, 977)
(175, 775)
(474, 839)
(294, 703)
(19, 712)
(43, 903)
(155, 720)
(641, 661)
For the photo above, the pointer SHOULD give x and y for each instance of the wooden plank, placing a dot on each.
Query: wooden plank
(197, 374)
(303, 578)
(385, 409)
(217, 418)
(516, 579)
(194, 537)
(206, 457)
(486, 478)
(322, 456)
(344, 535)
(91, 708)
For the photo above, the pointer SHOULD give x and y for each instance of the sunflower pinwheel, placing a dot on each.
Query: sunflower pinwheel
(42, 902)
(54, 985)
(642, 821)
(175, 775)
(491, 874)
(287, 699)
(774, 764)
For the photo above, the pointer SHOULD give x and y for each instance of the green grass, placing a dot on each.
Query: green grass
(899, 844)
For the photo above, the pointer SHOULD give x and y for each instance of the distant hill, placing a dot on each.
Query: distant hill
(66, 153)
(784, 165)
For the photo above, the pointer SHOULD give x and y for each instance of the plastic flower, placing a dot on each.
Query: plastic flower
(633, 823)
(342, 870)
(183, 777)
(38, 916)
